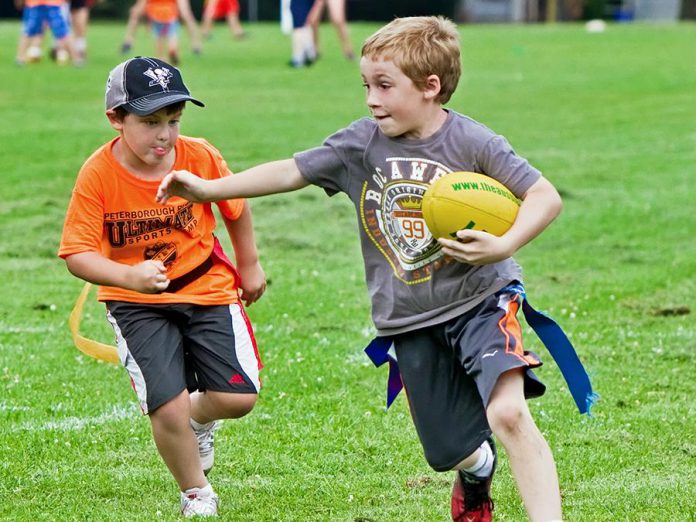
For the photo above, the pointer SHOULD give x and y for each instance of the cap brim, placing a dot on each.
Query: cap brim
(149, 104)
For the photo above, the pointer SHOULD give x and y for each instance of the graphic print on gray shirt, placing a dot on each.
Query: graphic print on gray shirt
(410, 282)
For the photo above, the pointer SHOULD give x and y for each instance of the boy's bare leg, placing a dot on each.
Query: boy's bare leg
(530, 457)
(176, 442)
(134, 15)
(67, 44)
(314, 19)
(208, 18)
(22, 47)
(173, 50)
(303, 51)
(80, 21)
(186, 14)
(211, 405)
(235, 26)
(337, 14)
(469, 461)
(160, 46)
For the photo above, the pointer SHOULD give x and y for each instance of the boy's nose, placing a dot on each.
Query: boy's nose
(372, 101)
(163, 134)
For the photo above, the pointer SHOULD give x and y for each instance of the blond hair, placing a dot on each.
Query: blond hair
(420, 46)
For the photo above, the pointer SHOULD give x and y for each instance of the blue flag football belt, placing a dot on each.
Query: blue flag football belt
(548, 331)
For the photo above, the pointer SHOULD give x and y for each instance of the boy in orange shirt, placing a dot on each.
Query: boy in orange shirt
(163, 16)
(171, 294)
(137, 11)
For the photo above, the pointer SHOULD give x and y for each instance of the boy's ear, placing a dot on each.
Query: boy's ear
(115, 120)
(432, 87)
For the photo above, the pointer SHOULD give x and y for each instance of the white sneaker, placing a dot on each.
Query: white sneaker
(33, 54)
(206, 443)
(193, 504)
(62, 57)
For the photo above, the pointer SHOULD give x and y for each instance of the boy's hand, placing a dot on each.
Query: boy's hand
(148, 277)
(476, 248)
(253, 283)
(181, 183)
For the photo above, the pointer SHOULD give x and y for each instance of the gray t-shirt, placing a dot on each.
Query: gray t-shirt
(410, 282)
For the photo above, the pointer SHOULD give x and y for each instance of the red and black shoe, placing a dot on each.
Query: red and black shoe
(471, 496)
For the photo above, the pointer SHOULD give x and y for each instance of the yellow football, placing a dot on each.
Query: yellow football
(467, 200)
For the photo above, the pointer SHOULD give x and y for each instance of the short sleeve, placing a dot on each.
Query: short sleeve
(498, 160)
(329, 166)
(84, 220)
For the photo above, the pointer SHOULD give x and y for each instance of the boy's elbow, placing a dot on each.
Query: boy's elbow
(557, 204)
(550, 196)
(78, 264)
(72, 265)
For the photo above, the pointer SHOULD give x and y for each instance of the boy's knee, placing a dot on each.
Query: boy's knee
(245, 403)
(234, 405)
(507, 417)
(172, 414)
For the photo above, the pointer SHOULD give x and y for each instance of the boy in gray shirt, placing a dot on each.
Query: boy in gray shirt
(449, 306)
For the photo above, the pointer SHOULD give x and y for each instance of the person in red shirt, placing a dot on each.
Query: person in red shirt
(174, 299)
(219, 9)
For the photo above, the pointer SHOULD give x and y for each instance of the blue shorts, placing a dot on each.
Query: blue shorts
(35, 17)
(165, 30)
(300, 10)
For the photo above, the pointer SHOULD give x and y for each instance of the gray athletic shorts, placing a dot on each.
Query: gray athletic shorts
(172, 347)
(449, 371)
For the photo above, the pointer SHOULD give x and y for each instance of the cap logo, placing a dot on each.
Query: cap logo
(159, 76)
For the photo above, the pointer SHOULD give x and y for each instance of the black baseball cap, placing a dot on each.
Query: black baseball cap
(144, 85)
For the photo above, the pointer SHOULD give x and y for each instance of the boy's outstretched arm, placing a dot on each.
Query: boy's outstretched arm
(253, 278)
(268, 178)
(540, 206)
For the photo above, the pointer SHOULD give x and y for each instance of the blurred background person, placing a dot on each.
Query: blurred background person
(303, 50)
(222, 9)
(186, 15)
(164, 20)
(337, 15)
(37, 14)
(137, 12)
(79, 18)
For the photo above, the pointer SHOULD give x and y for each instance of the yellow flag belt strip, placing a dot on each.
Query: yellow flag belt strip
(101, 351)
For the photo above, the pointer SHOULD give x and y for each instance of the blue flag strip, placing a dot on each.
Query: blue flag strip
(378, 352)
(562, 351)
(548, 331)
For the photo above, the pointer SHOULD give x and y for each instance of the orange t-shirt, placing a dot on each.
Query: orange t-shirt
(114, 213)
(162, 11)
(34, 3)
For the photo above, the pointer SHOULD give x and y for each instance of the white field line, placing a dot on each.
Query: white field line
(5, 407)
(116, 413)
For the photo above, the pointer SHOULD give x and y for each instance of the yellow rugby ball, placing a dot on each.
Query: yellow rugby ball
(467, 200)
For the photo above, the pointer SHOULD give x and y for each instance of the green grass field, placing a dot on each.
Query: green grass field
(608, 117)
